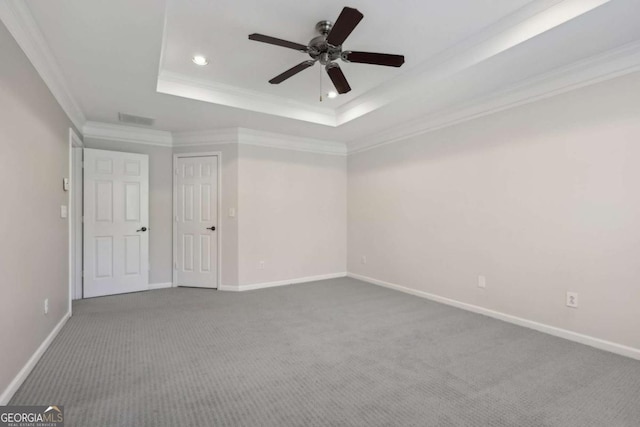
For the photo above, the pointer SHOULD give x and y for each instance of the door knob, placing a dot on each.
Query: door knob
(143, 229)
(211, 228)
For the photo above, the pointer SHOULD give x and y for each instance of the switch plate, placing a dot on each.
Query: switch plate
(482, 282)
(572, 299)
(65, 184)
(232, 212)
(64, 211)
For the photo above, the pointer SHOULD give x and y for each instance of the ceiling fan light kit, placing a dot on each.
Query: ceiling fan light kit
(327, 48)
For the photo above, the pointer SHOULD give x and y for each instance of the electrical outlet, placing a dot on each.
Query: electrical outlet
(261, 265)
(363, 260)
(572, 299)
(482, 282)
(46, 306)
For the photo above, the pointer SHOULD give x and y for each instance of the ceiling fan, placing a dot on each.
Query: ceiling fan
(327, 48)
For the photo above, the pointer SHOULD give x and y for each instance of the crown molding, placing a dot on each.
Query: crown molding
(527, 22)
(217, 93)
(206, 137)
(17, 17)
(524, 24)
(244, 136)
(241, 136)
(289, 142)
(596, 69)
(129, 134)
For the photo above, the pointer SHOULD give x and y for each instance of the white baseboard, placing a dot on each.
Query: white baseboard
(8, 393)
(253, 286)
(160, 285)
(598, 343)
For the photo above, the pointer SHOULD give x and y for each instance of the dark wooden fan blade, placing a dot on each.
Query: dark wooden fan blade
(278, 42)
(348, 20)
(291, 72)
(338, 78)
(374, 58)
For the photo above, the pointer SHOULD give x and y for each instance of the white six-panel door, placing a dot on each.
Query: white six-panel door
(197, 221)
(116, 222)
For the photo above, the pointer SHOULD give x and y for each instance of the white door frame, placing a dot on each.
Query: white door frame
(219, 228)
(77, 207)
(75, 220)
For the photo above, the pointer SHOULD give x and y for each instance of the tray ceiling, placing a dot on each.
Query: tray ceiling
(135, 57)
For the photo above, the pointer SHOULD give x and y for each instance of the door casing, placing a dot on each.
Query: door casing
(219, 228)
(75, 217)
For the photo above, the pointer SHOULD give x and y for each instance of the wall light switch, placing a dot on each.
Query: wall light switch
(64, 211)
(482, 282)
(65, 184)
(232, 212)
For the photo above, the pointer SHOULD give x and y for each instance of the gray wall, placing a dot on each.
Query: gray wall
(160, 203)
(292, 214)
(34, 138)
(290, 211)
(541, 199)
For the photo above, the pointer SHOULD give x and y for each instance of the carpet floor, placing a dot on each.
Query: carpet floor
(332, 353)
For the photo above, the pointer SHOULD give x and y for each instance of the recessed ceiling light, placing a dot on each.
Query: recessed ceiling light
(200, 60)
(332, 94)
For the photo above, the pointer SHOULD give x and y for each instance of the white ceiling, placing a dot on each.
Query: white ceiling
(417, 29)
(109, 54)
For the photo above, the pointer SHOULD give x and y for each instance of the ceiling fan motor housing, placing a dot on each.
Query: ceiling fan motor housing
(319, 49)
(324, 27)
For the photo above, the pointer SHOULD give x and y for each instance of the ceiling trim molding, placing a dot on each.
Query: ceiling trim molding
(289, 142)
(596, 69)
(17, 17)
(207, 137)
(524, 24)
(241, 136)
(129, 134)
(245, 136)
(217, 93)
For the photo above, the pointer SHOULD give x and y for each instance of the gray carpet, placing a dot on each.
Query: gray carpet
(332, 353)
